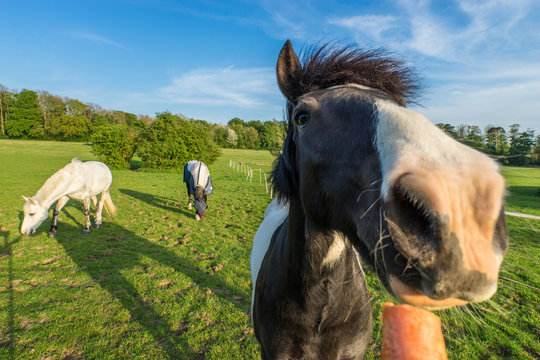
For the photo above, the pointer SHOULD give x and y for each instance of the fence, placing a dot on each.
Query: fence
(248, 171)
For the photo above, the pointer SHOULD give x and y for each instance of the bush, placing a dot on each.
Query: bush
(114, 144)
(170, 142)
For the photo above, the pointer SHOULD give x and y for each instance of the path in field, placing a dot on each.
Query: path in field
(522, 215)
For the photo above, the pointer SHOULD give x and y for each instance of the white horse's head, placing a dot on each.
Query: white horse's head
(34, 215)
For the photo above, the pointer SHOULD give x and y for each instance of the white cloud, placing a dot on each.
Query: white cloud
(246, 88)
(95, 38)
(371, 25)
(496, 105)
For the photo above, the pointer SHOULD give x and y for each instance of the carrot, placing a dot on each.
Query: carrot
(411, 333)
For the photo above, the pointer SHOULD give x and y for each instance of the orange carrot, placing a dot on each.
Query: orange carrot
(410, 333)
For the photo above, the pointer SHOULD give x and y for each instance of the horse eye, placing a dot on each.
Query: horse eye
(302, 119)
(32, 214)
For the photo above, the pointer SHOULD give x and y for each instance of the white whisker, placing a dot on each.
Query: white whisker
(364, 214)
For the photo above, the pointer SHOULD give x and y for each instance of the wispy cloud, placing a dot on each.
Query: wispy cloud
(371, 25)
(495, 105)
(490, 26)
(248, 88)
(95, 38)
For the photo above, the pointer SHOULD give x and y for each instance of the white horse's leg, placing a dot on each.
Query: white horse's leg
(54, 223)
(94, 201)
(86, 203)
(99, 208)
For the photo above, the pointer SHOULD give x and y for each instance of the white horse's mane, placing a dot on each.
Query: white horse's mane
(56, 179)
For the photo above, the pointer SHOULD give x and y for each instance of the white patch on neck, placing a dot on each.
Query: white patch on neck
(336, 250)
(274, 216)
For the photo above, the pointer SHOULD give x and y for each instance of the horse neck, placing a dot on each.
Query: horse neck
(54, 188)
(313, 251)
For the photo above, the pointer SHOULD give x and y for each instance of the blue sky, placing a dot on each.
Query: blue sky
(215, 60)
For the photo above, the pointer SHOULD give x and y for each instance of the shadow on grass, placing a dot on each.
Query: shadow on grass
(531, 191)
(162, 202)
(108, 252)
(6, 251)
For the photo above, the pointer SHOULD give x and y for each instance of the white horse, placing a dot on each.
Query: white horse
(76, 180)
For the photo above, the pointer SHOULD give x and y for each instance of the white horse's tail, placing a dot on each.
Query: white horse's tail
(109, 206)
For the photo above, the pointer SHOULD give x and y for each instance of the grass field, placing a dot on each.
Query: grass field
(155, 284)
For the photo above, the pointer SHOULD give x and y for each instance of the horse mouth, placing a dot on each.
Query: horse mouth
(412, 296)
(417, 232)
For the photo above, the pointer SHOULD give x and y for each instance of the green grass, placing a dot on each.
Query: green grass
(523, 189)
(155, 284)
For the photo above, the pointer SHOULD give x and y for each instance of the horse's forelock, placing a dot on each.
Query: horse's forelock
(325, 66)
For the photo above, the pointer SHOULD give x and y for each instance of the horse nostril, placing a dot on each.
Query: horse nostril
(412, 223)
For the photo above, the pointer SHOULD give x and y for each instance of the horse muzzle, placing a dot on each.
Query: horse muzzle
(454, 247)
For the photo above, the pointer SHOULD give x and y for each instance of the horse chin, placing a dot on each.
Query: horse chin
(28, 232)
(411, 296)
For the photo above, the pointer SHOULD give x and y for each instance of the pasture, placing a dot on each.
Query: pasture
(153, 283)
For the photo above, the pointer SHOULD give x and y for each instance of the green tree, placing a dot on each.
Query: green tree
(521, 144)
(25, 119)
(448, 129)
(495, 140)
(271, 135)
(535, 153)
(98, 120)
(251, 137)
(70, 127)
(218, 134)
(474, 137)
(78, 108)
(7, 100)
(236, 121)
(52, 107)
(114, 144)
(256, 124)
(171, 141)
(470, 135)
(162, 145)
(196, 136)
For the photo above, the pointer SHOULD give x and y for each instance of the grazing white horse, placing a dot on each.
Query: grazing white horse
(76, 180)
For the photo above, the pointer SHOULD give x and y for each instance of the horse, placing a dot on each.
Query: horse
(362, 179)
(77, 180)
(199, 184)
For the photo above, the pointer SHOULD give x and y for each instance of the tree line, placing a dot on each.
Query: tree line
(514, 147)
(40, 115)
(163, 141)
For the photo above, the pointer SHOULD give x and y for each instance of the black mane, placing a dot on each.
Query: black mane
(327, 66)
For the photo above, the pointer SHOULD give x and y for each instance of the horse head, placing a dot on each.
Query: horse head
(34, 215)
(424, 209)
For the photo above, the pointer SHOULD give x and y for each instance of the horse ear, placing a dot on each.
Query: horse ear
(34, 202)
(288, 71)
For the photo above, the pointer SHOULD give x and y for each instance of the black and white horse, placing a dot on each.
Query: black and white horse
(363, 178)
(199, 184)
